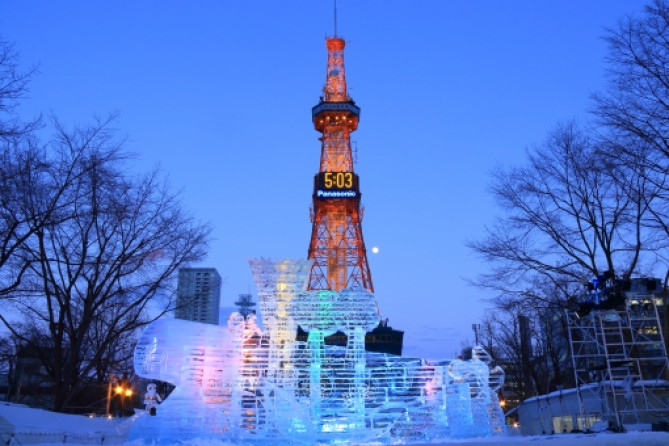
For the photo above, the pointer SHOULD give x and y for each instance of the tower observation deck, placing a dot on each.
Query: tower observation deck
(337, 246)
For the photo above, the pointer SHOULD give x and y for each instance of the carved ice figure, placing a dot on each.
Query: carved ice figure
(322, 313)
(359, 314)
(495, 383)
(202, 362)
(473, 406)
(241, 384)
(279, 282)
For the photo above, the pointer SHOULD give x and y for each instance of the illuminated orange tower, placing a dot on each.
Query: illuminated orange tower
(337, 246)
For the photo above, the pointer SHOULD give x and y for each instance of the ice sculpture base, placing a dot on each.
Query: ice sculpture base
(241, 384)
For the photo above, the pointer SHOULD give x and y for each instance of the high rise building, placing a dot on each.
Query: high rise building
(198, 295)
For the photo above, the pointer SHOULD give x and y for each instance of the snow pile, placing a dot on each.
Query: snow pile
(20, 425)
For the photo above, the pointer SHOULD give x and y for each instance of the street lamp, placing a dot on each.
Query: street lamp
(123, 393)
(121, 388)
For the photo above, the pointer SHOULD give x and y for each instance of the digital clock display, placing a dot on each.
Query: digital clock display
(336, 185)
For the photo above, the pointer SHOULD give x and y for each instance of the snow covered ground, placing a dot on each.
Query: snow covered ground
(20, 425)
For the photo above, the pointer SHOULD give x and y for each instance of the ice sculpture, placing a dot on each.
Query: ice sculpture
(242, 384)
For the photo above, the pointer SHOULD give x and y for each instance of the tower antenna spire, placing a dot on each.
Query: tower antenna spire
(335, 18)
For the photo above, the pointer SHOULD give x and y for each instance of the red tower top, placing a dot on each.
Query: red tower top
(336, 115)
(337, 247)
(335, 82)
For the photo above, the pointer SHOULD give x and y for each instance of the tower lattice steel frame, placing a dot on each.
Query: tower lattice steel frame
(337, 246)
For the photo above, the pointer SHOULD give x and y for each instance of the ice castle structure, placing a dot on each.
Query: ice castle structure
(243, 384)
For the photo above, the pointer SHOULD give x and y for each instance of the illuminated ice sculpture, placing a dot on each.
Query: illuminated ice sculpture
(241, 384)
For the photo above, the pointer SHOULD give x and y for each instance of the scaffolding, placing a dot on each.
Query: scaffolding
(620, 363)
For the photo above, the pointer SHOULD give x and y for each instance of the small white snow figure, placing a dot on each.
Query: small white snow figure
(151, 399)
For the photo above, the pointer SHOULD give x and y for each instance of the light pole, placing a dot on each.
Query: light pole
(109, 393)
(476, 328)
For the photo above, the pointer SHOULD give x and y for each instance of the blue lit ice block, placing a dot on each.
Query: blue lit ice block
(241, 384)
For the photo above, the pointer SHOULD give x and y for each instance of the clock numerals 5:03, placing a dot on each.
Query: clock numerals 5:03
(340, 180)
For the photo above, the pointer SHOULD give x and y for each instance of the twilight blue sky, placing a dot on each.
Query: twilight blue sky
(219, 94)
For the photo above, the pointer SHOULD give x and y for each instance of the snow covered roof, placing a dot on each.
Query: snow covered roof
(616, 383)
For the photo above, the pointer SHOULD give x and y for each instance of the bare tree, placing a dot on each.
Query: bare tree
(634, 110)
(588, 201)
(101, 265)
(565, 218)
(637, 100)
(19, 164)
(8, 364)
(530, 341)
(13, 87)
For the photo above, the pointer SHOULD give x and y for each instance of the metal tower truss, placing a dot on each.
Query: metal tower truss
(337, 247)
(335, 84)
(619, 360)
(336, 154)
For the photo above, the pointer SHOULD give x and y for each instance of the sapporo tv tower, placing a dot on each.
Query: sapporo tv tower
(337, 246)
